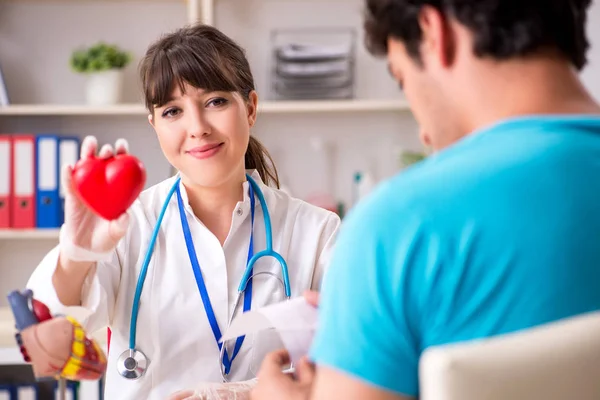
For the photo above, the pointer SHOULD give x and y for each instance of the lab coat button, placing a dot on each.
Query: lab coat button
(240, 211)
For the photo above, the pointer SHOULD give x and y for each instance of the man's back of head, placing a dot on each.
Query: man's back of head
(467, 64)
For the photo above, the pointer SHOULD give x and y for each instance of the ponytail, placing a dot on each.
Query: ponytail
(257, 157)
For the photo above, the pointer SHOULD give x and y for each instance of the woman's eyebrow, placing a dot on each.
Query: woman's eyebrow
(172, 98)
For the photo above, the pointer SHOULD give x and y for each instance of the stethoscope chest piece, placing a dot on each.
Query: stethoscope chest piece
(132, 364)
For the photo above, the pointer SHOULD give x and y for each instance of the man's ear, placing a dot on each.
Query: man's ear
(425, 138)
(438, 41)
(252, 108)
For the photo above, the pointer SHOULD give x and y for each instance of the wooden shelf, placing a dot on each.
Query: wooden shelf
(90, 1)
(71, 109)
(28, 234)
(329, 106)
(267, 107)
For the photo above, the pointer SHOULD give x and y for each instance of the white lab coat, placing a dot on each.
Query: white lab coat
(173, 330)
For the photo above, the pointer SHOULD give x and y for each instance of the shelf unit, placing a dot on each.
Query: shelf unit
(29, 234)
(196, 10)
(267, 107)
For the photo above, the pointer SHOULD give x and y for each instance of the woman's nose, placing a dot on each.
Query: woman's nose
(197, 124)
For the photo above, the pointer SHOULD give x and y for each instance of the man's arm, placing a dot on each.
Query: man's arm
(370, 315)
(310, 384)
(331, 384)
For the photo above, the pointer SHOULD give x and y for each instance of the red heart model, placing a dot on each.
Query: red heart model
(109, 186)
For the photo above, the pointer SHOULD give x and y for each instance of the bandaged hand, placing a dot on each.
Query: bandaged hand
(217, 391)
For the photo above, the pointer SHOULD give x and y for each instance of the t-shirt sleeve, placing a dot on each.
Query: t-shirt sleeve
(368, 317)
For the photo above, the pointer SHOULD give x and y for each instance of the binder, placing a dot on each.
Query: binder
(5, 180)
(23, 182)
(27, 392)
(48, 206)
(18, 391)
(71, 392)
(68, 153)
(4, 100)
(8, 392)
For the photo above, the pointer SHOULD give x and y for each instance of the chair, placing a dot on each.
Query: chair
(556, 361)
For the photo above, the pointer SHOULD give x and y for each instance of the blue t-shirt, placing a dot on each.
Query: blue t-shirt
(497, 233)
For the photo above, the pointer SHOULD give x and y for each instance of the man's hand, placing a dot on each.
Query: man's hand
(312, 297)
(273, 383)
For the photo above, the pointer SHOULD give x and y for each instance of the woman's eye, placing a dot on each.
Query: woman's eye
(216, 102)
(170, 112)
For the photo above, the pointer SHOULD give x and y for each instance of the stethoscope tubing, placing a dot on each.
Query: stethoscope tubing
(144, 269)
(248, 273)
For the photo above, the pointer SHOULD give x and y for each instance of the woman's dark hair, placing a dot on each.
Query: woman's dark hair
(205, 58)
(501, 29)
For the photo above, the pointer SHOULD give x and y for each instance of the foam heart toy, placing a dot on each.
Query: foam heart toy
(109, 186)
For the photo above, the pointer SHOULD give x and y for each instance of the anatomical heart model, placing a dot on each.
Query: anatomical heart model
(56, 347)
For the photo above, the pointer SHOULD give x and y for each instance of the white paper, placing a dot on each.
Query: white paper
(294, 320)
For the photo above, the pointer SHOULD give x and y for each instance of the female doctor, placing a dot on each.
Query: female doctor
(200, 95)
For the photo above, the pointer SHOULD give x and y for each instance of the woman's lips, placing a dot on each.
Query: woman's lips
(206, 151)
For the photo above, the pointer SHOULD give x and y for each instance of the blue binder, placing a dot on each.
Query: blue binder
(47, 181)
(68, 153)
(18, 391)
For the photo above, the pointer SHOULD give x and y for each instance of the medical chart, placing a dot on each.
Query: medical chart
(294, 320)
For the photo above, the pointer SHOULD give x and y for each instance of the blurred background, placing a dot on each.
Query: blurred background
(330, 145)
(331, 116)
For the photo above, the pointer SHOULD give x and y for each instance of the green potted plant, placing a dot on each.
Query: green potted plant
(408, 158)
(103, 64)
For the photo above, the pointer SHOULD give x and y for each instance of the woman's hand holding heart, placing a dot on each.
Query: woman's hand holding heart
(98, 191)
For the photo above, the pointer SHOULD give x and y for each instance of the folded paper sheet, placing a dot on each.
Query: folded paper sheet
(294, 320)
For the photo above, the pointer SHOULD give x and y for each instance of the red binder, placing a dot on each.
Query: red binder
(23, 181)
(5, 180)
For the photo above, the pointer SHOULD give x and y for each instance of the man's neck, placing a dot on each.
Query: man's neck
(534, 86)
(214, 205)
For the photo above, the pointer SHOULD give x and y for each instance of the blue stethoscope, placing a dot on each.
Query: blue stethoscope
(132, 363)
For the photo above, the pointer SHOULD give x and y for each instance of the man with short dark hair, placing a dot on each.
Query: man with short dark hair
(498, 231)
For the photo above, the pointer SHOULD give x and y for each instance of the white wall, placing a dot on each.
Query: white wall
(591, 73)
(362, 141)
(37, 37)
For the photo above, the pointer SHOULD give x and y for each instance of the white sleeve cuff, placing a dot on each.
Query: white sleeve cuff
(43, 289)
(76, 253)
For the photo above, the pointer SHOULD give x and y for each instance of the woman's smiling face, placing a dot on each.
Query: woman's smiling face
(205, 134)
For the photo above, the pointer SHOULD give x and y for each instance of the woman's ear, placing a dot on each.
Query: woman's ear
(151, 120)
(252, 107)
